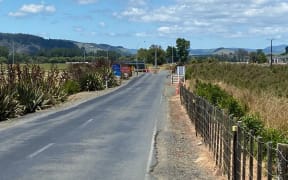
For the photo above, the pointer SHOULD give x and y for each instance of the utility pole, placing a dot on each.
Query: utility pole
(84, 54)
(172, 54)
(107, 56)
(155, 56)
(271, 54)
(13, 53)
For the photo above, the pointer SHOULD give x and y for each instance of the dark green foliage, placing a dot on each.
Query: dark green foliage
(183, 47)
(215, 95)
(148, 55)
(71, 87)
(273, 135)
(4, 51)
(254, 123)
(91, 82)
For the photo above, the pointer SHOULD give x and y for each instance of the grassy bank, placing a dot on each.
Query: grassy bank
(255, 78)
(262, 90)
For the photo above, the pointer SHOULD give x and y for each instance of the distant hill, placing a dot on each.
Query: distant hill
(279, 49)
(31, 44)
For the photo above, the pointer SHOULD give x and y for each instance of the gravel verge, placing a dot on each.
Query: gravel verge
(179, 153)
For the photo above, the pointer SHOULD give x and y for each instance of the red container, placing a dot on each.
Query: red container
(126, 69)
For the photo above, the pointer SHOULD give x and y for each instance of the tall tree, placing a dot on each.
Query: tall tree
(4, 51)
(156, 50)
(142, 54)
(241, 54)
(261, 57)
(171, 54)
(183, 47)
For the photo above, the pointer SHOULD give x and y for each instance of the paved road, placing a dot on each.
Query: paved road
(109, 137)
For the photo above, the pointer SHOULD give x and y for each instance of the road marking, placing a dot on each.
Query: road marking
(150, 157)
(86, 123)
(40, 150)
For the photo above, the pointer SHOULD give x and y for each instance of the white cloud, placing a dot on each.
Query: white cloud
(132, 12)
(78, 29)
(142, 34)
(86, 1)
(17, 14)
(102, 24)
(137, 2)
(268, 30)
(50, 9)
(33, 9)
(225, 18)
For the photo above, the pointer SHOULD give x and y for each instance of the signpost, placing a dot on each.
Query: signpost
(179, 76)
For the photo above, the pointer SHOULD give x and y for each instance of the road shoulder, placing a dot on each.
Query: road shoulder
(179, 153)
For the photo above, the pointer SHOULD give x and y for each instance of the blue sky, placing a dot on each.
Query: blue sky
(140, 23)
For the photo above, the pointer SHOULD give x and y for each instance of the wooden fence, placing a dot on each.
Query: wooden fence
(238, 153)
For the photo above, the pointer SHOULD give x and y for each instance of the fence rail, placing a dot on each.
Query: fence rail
(238, 153)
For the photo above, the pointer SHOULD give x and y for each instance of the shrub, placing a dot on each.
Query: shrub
(216, 96)
(273, 135)
(252, 122)
(91, 82)
(8, 104)
(71, 87)
(234, 107)
(30, 97)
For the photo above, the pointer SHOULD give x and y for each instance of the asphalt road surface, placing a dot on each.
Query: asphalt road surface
(109, 137)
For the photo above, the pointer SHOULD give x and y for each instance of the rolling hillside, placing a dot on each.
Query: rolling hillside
(278, 49)
(31, 44)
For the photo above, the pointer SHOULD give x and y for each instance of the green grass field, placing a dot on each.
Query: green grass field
(45, 66)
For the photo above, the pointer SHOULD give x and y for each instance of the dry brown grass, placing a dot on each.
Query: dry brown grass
(273, 110)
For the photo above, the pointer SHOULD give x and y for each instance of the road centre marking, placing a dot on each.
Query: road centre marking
(86, 123)
(40, 150)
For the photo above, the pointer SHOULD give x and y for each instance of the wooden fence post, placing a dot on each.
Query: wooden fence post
(235, 154)
(238, 153)
(282, 156)
(259, 158)
(269, 161)
(251, 145)
(245, 142)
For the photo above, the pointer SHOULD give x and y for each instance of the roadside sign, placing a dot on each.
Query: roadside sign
(181, 70)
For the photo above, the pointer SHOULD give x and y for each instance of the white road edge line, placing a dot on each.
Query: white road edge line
(40, 150)
(86, 123)
(150, 157)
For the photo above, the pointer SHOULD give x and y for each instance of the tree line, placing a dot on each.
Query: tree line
(57, 55)
(172, 54)
(179, 53)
